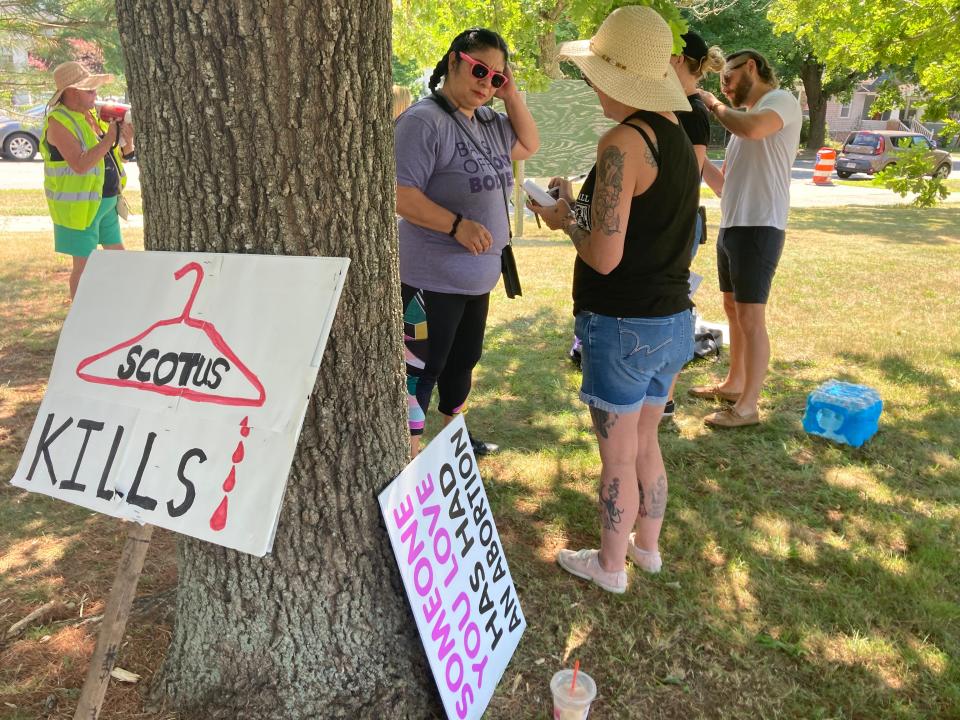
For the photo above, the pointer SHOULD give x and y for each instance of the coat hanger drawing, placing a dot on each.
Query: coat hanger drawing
(211, 333)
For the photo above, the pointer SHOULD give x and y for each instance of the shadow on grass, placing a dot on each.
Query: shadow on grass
(787, 555)
(899, 225)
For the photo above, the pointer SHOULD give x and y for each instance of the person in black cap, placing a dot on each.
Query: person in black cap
(695, 62)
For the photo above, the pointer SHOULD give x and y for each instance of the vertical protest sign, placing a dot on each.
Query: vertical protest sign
(179, 388)
(454, 571)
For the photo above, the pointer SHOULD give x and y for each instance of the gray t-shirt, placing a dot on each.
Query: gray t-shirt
(434, 157)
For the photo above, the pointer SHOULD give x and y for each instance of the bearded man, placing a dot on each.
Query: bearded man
(754, 203)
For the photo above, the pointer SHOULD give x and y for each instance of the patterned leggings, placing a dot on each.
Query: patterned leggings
(443, 342)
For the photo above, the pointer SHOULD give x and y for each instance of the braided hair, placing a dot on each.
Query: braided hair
(469, 40)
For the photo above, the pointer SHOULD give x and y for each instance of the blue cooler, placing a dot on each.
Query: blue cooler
(843, 412)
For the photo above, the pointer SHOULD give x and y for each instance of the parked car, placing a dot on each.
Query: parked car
(20, 136)
(872, 151)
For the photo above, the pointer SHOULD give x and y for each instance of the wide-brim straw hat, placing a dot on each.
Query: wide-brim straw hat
(74, 75)
(629, 60)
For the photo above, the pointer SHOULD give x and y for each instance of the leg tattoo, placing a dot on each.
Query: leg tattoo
(603, 421)
(610, 514)
(658, 497)
(643, 508)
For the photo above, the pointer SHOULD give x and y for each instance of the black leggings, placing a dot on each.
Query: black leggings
(443, 342)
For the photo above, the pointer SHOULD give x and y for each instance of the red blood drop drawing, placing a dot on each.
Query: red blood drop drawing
(218, 521)
(244, 430)
(238, 453)
(231, 480)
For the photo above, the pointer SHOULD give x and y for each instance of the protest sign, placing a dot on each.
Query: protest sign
(179, 388)
(454, 571)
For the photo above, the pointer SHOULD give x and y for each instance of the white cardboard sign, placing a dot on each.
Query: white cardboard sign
(179, 388)
(454, 571)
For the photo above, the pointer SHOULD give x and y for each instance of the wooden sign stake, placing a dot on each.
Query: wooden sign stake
(114, 622)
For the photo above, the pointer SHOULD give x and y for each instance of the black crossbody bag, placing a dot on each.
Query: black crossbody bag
(508, 263)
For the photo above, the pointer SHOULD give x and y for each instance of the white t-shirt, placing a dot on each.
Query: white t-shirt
(756, 185)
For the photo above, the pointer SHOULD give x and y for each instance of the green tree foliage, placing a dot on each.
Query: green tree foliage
(54, 31)
(908, 175)
(423, 29)
(916, 34)
(747, 23)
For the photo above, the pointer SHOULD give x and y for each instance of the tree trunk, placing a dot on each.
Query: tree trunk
(264, 127)
(548, 55)
(547, 40)
(811, 73)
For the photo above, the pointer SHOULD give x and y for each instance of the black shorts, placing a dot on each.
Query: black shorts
(747, 259)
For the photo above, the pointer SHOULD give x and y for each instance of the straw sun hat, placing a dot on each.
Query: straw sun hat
(74, 75)
(629, 59)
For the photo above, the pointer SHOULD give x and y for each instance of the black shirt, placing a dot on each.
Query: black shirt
(652, 279)
(696, 123)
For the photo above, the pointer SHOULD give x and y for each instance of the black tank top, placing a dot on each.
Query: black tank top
(652, 279)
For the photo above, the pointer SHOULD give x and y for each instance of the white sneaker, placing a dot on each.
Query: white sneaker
(586, 564)
(646, 560)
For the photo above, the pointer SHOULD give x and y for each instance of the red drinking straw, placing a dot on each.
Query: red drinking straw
(576, 667)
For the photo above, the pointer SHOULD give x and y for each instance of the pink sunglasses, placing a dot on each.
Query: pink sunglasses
(480, 71)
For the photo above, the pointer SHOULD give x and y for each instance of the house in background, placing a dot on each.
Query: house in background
(13, 59)
(856, 114)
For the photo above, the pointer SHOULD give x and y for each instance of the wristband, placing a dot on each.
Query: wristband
(456, 223)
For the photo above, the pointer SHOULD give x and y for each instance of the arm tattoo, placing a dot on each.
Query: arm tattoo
(603, 421)
(658, 497)
(610, 184)
(610, 514)
(579, 236)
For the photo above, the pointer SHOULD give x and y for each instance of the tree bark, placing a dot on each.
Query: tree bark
(263, 126)
(811, 73)
(547, 40)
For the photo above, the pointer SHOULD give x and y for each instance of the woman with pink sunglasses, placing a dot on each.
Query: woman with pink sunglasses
(454, 174)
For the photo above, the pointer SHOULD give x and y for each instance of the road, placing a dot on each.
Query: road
(803, 193)
(29, 175)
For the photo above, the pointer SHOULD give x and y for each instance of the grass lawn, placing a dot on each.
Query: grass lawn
(953, 184)
(33, 202)
(802, 579)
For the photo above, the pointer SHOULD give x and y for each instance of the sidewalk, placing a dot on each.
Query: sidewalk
(42, 223)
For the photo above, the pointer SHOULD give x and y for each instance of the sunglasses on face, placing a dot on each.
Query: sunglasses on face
(728, 73)
(480, 71)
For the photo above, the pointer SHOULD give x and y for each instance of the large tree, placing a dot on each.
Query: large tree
(917, 34)
(264, 127)
(745, 23)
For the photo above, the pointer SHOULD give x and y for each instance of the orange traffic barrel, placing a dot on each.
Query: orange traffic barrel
(826, 159)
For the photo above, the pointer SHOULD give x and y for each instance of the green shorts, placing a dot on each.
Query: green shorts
(104, 230)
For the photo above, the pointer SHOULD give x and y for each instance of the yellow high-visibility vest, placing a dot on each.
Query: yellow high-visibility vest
(74, 198)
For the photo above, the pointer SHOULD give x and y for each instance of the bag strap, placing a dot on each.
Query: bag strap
(452, 111)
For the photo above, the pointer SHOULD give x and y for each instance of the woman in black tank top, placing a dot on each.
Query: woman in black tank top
(632, 225)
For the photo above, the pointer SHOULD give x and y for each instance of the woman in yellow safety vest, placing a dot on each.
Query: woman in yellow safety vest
(83, 167)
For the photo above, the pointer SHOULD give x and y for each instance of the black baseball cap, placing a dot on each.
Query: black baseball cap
(694, 46)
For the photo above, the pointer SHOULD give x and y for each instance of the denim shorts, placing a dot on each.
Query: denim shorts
(629, 362)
